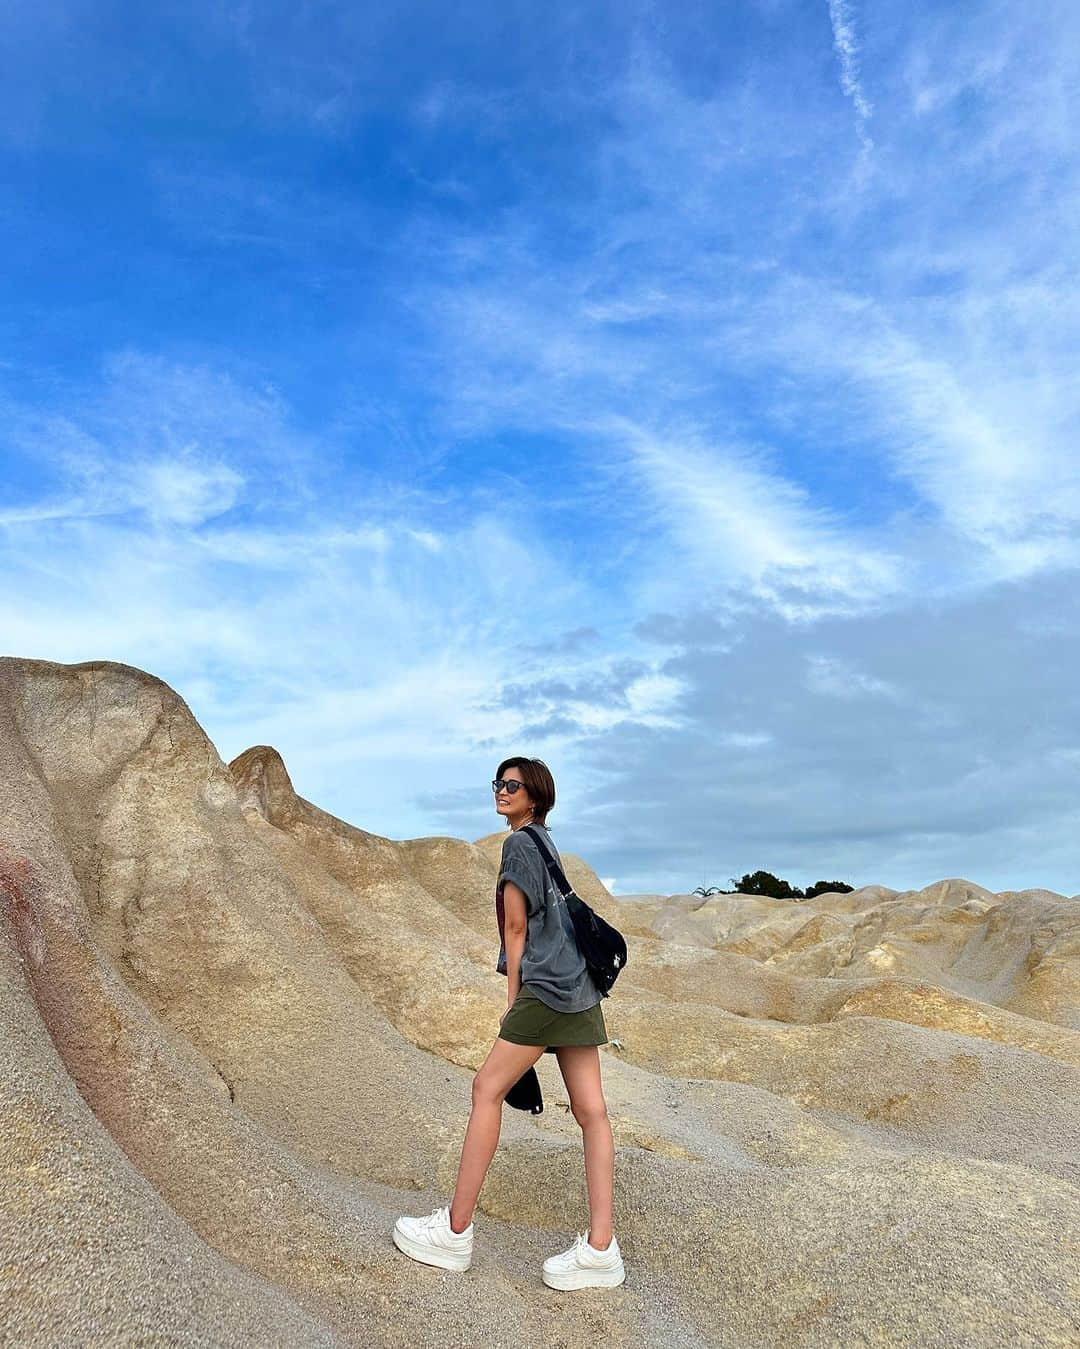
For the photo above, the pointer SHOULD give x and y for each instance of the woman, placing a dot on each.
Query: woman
(552, 1005)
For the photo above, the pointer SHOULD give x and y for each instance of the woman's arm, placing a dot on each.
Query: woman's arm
(516, 924)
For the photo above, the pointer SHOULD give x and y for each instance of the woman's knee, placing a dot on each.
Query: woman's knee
(589, 1113)
(485, 1091)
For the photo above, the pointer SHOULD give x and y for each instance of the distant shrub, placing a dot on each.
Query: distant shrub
(773, 887)
(828, 888)
(765, 883)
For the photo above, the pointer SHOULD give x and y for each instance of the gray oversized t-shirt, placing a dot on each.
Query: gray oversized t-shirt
(551, 965)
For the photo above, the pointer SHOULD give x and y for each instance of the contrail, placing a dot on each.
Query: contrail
(847, 49)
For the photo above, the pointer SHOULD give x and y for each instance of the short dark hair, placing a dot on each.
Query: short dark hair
(538, 781)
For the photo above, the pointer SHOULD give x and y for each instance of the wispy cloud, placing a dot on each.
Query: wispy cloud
(750, 528)
(841, 18)
(967, 402)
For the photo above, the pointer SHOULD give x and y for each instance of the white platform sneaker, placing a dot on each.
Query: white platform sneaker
(582, 1266)
(432, 1240)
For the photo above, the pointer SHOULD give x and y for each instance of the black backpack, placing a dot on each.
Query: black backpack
(602, 946)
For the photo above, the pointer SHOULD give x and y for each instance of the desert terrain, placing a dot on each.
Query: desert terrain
(237, 1037)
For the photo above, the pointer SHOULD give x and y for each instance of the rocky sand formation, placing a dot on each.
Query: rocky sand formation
(237, 1038)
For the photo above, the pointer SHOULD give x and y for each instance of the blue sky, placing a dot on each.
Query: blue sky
(687, 397)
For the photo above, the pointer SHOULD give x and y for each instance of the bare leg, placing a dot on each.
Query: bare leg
(498, 1073)
(580, 1067)
(600, 1178)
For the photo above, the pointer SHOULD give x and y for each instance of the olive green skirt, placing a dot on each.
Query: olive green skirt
(530, 1021)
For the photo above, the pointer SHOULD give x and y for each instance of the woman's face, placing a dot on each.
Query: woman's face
(513, 803)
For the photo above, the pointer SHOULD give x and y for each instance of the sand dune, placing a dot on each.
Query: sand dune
(237, 1037)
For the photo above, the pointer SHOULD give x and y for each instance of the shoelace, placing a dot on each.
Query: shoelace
(438, 1218)
(432, 1219)
(583, 1241)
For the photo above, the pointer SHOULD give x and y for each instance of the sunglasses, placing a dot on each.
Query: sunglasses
(506, 785)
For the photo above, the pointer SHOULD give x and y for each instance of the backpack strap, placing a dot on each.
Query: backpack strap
(602, 946)
(556, 871)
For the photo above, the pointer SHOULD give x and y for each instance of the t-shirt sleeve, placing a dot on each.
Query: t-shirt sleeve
(522, 864)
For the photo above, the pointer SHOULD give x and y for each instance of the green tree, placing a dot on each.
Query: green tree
(828, 888)
(765, 883)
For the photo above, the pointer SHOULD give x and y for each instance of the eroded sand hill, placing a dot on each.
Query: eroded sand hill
(237, 1038)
